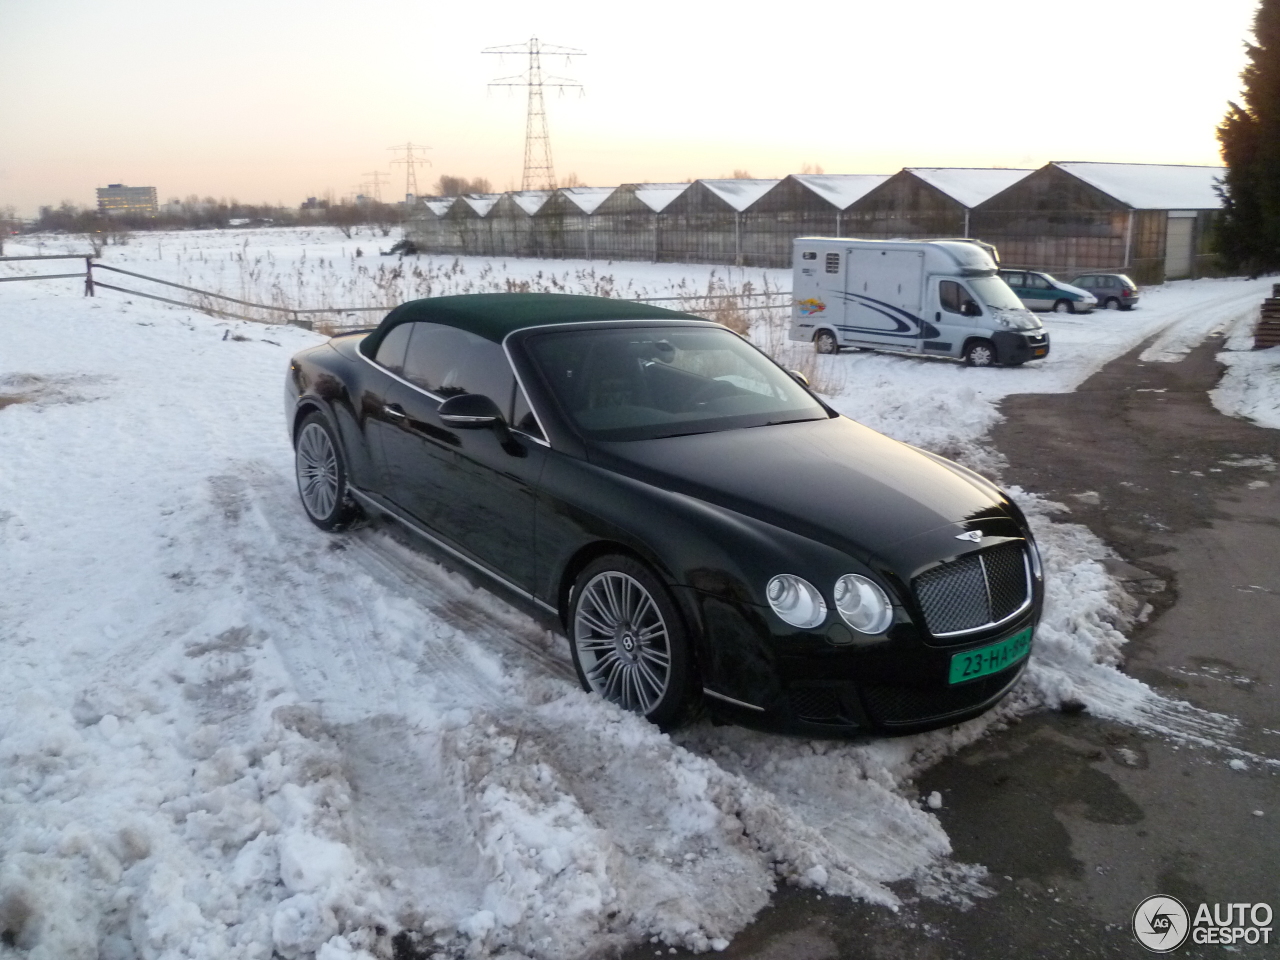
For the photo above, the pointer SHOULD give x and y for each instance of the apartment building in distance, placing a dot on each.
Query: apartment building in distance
(118, 200)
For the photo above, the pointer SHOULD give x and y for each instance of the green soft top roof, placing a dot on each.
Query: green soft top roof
(494, 315)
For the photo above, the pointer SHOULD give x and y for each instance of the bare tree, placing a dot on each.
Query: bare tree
(8, 225)
(450, 186)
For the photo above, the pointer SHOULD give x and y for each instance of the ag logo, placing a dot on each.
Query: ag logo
(1161, 924)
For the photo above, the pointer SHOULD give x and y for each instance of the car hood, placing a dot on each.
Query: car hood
(834, 481)
(1079, 291)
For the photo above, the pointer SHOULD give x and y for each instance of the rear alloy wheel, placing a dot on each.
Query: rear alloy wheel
(824, 341)
(322, 476)
(1111, 304)
(980, 353)
(628, 642)
(1064, 306)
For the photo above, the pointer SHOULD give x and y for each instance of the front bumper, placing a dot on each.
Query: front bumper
(1018, 347)
(762, 674)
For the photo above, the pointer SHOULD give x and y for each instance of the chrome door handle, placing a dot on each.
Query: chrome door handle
(393, 411)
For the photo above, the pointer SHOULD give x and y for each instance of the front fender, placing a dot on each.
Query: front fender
(322, 379)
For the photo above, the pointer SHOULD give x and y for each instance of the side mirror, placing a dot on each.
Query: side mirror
(469, 411)
(799, 377)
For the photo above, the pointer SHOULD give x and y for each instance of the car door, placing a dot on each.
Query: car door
(882, 292)
(1041, 294)
(473, 488)
(949, 319)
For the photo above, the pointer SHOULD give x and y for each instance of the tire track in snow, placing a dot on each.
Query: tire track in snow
(650, 821)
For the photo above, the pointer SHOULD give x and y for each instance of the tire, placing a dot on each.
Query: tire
(824, 341)
(980, 353)
(1111, 304)
(1064, 306)
(628, 641)
(321, 471)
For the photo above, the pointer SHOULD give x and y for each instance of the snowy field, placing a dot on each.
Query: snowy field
(224, 733)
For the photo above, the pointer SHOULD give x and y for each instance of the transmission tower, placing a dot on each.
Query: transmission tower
(538, 171)
(411, 162)
(377, 179)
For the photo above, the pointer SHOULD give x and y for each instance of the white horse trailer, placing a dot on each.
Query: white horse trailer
(939, 298)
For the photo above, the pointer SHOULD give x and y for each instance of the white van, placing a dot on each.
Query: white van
(940, 298)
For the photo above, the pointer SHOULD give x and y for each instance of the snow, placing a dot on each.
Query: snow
(530, 201)
(658, 196)
(481, 203)
(225, 733)
(439, 207)
(1250, 388)
(587, 199)
(739, 194)
(969, 186)
(1152, 186)
(841, 190)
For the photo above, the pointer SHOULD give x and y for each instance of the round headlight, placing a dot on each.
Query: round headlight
(862, 604)
(796, 600)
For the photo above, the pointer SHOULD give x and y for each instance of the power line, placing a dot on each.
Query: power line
(538, 170)
(411, 162)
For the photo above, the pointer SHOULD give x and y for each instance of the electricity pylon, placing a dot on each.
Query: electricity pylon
(538, 170)
(410, 162)
(378, 178)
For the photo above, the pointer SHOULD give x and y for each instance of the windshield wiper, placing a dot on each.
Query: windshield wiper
(777, 423)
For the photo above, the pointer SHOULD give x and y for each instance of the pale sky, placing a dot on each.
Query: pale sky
(277, 100)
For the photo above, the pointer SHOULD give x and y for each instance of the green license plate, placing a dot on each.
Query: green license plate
(978, 663)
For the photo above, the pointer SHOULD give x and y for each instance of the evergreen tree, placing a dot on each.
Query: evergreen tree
(1248, 234)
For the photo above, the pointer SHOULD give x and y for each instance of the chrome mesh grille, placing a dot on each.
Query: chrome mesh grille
(973, 591)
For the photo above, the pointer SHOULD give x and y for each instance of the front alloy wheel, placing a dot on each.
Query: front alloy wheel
(1064, 306)
(628, 643)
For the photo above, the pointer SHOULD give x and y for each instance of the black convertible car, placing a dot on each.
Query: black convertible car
(703, 525)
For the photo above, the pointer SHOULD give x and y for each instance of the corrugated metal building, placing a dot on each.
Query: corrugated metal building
(627, 225)
(800, 205)
(704, 224)
(921, 202)
(1151, 221)
(562, 226)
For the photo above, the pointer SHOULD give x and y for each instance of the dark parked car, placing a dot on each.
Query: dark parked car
(700, 522)
(1114, 291)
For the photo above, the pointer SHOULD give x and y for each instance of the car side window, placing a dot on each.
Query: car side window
(1037, 282)
(391, 350)
(1015, 279)
(449, 362)
(949, 296)
(1107, 282)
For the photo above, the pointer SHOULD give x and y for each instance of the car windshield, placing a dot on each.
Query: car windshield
(995, 293)
(646, 383)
